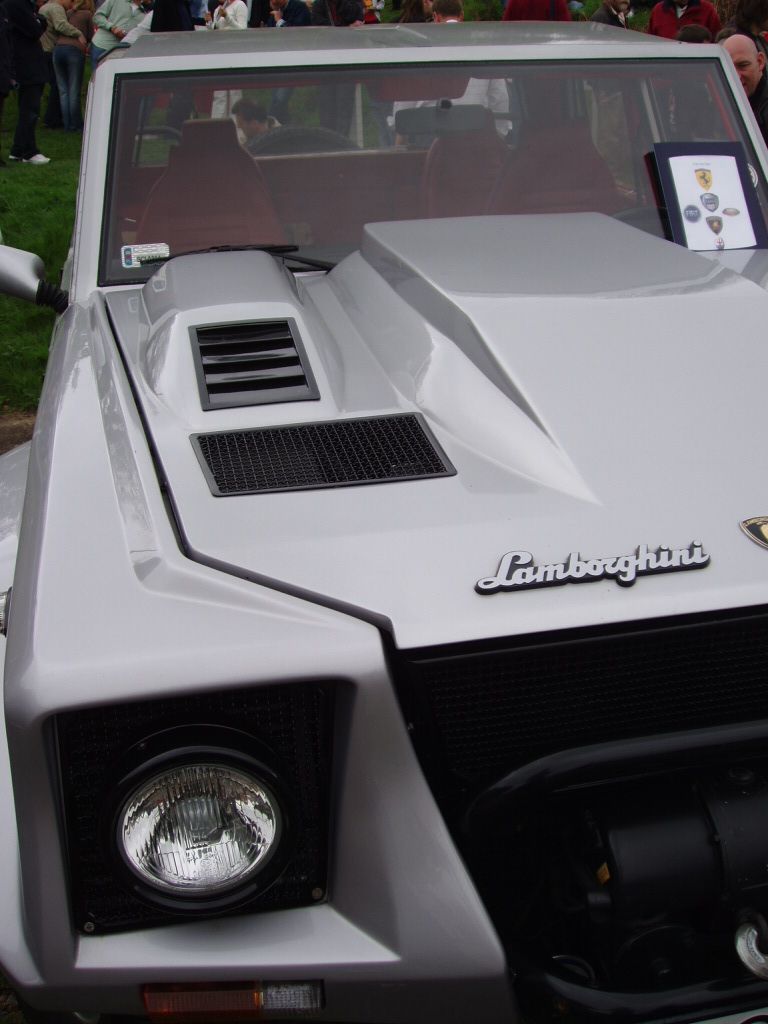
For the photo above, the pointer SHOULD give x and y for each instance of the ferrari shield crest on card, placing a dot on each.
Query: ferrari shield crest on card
(704, 177)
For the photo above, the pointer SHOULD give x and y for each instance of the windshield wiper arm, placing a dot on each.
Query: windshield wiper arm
(288, 252)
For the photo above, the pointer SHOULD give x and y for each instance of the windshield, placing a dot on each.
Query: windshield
(306, 158)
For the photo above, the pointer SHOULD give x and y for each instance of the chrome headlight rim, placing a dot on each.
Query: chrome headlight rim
(181, 754)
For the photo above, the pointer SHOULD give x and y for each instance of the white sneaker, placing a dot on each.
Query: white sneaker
(38, 158)
(15, 159)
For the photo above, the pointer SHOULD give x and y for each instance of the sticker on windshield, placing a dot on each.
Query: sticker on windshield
(136, 255)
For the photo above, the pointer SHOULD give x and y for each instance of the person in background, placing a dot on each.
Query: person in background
(55, 13)
(171, 16)
(31, 73)
(69, 63)
(197, 9)
(252, 121)
(536, 10)
(113, 20)
(750, 18)
(288, 14)
(342, 13)
(229, 15)
(446, 12)
(750, 65)
(144, 26)
(259, 14)
(6, 79)
(416, 11)
(669, 16)
(694, 34)
(612, 12)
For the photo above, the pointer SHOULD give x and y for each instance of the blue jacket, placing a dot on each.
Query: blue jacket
(295, 14)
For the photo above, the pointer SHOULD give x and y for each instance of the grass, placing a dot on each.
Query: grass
(36, 213)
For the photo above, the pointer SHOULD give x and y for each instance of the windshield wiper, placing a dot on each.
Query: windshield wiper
(287, 252)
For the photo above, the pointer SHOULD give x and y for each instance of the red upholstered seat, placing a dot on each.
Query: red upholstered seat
(461, 171)
(556, 169)
(212, 193)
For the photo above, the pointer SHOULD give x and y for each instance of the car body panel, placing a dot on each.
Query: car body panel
(594, 388)
(396, 552)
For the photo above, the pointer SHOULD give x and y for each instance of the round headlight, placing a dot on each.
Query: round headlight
(199, 830)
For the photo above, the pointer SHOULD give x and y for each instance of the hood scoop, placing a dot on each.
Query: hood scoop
(251, 364)
(304, 456)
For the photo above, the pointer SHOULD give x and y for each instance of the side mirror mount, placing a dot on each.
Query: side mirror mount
(22, 276)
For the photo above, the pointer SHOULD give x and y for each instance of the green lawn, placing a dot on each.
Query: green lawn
(36, 213)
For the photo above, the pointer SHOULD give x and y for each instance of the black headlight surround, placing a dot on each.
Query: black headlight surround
(288, 725)
(184, 746)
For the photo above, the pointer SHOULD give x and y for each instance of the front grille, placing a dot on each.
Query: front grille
(311, 455)
(478, 712)
(293, 721)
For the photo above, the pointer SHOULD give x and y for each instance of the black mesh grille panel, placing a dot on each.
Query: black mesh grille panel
(310, 455)
(251, 364)
(480, 713)
(292, 721)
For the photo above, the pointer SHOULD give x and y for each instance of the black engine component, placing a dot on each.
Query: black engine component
(666, 871)
(631, 888)
(607, 789)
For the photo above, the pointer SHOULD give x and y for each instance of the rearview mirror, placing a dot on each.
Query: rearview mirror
(442, 118)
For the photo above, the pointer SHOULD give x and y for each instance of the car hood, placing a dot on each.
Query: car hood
(596, 390)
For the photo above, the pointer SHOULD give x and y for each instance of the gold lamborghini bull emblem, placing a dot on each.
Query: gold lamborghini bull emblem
(756, 529)
(704, 177)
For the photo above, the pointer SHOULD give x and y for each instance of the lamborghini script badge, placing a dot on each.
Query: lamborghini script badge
(517, 570)
(756, 529)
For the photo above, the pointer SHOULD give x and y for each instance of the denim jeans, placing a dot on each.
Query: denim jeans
(69, 64)
(96, 54)
(24, 142)
(53, 107)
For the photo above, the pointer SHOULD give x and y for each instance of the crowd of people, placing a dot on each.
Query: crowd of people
(44, 43)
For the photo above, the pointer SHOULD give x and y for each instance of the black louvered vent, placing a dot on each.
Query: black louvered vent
(310, 455)
(251, 364)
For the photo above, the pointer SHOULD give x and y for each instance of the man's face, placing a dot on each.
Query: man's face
(748, 62)
(620, 6)
(277, 5)
(250, 129)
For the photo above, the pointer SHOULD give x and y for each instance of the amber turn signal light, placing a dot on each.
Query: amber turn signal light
(201, 1003)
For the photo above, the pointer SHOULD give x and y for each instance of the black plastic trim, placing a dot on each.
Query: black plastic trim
(321, 454)
(255, 387)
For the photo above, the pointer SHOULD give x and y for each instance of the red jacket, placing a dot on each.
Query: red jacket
(665, 22)
(536, 10)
